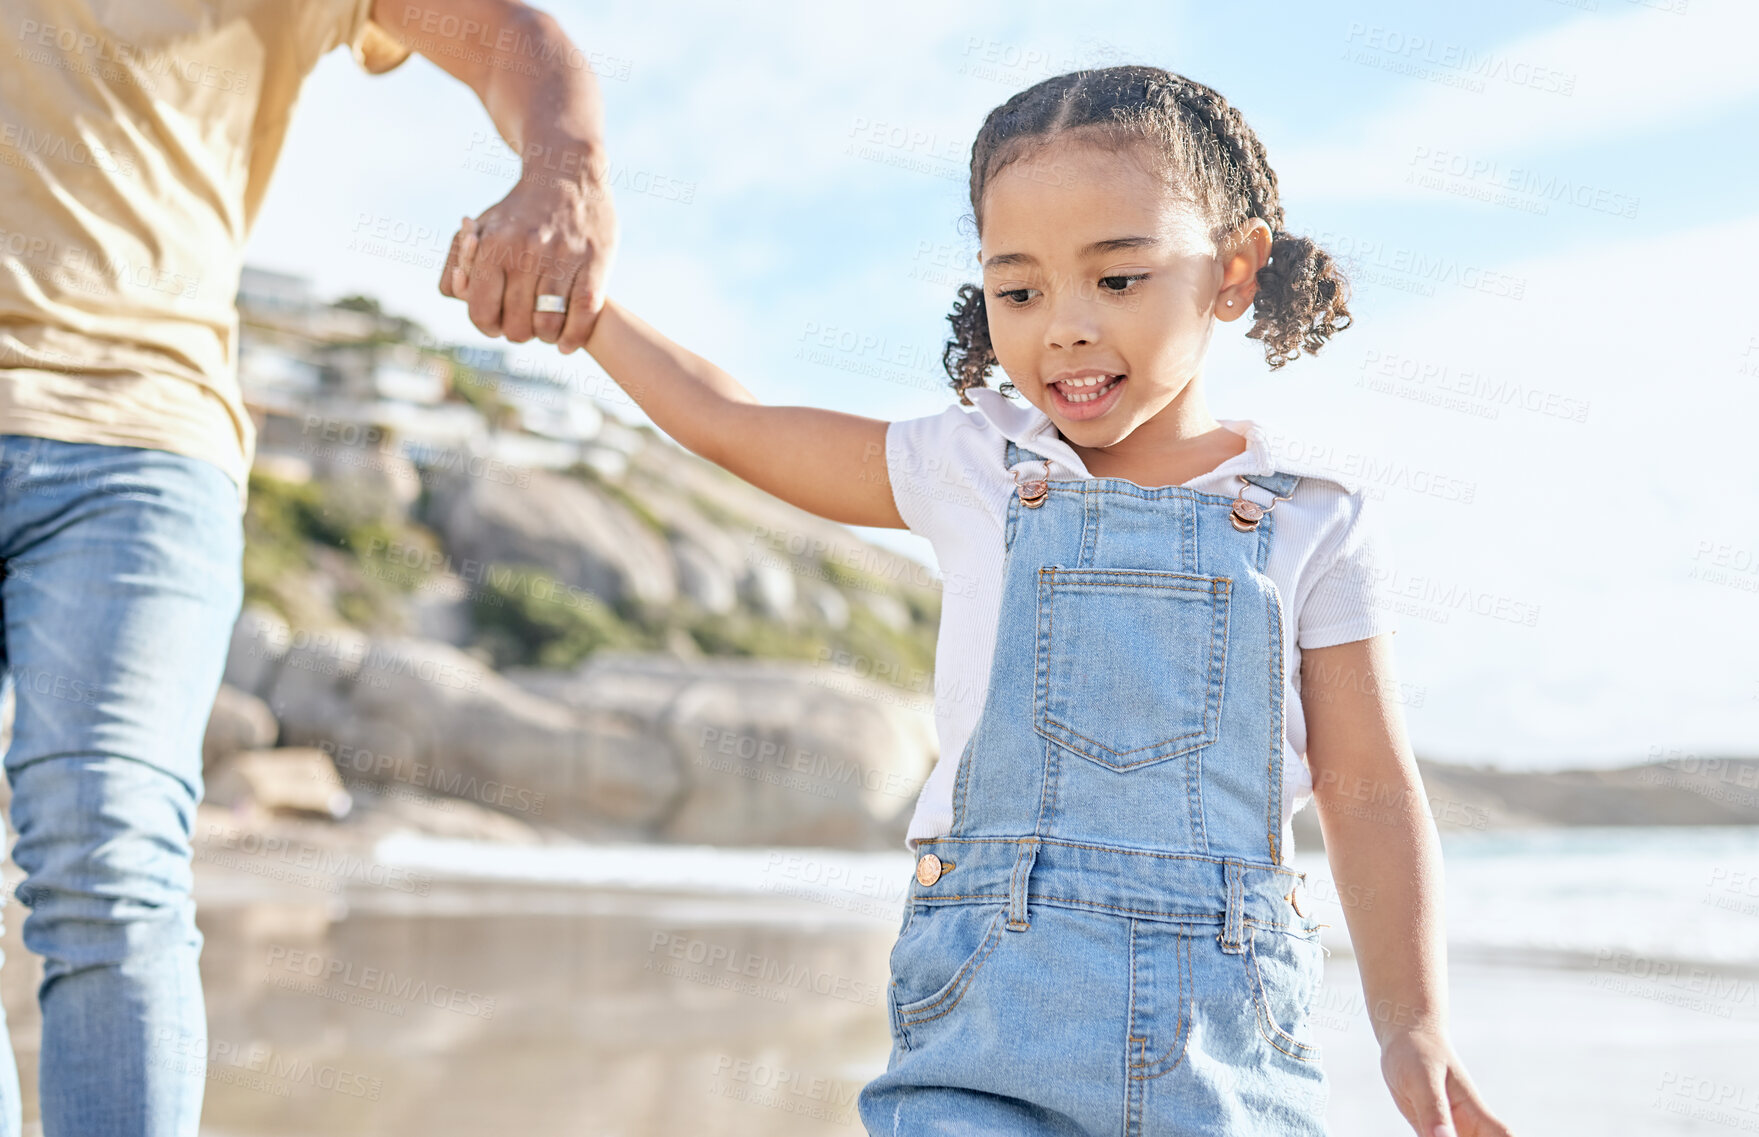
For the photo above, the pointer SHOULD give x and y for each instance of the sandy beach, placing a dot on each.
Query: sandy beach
(742, 992)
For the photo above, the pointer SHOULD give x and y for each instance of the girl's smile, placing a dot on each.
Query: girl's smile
(1085, 394)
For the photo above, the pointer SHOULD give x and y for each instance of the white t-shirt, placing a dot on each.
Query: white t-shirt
(952, 487)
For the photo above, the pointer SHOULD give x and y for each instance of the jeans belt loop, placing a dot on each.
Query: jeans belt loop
(1233, 937)
(1018, 917)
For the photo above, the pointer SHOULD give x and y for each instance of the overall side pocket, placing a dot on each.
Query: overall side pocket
(1285, 970)
(940, 952)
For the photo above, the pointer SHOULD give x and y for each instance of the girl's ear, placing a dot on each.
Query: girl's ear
(1252, 239)
(1247, 251)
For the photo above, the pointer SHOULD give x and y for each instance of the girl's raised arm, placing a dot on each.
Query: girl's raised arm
(826, 462)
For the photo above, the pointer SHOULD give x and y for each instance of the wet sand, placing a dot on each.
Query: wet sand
(390, 1008)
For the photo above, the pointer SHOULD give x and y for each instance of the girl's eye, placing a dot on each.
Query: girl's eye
(1121, 283)
(1016, 295)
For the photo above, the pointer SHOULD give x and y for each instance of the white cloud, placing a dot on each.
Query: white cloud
(1646, 68)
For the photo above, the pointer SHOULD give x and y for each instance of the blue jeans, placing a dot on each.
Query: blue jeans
(119, 587)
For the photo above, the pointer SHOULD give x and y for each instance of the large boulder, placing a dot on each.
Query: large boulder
(629, 747)
(772, 752)
(423, 714)
(239, 721)
(260, 639)
(291, 779)
(581, 536)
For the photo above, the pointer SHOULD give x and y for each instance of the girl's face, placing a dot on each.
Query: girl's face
(1102, 288)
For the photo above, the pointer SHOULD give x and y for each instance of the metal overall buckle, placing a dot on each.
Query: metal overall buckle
(1034, 491)
(1247, 513)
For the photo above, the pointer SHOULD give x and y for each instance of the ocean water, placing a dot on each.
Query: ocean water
(1682, 893)
(1569, 897)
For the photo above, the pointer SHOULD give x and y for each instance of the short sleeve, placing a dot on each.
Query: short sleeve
(375, 49)
(940, 474)
(1343, 606)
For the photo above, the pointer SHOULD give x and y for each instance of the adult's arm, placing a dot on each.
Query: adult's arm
(555, 232)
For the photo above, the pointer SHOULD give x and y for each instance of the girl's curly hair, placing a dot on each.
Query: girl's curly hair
(1204, 148)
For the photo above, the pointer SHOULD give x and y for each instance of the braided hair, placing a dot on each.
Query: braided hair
(1202, 145)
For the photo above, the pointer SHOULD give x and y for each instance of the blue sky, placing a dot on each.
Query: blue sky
(1547, 210)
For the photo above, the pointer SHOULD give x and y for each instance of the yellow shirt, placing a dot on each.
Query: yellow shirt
(136, 142)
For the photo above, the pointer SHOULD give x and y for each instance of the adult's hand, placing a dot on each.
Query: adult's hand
(555, 232)
(550, 236)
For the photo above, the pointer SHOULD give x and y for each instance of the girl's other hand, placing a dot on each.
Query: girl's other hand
(464, 244)
(1429, 1084)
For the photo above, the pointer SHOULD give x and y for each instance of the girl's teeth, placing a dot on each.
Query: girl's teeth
(1088, 396)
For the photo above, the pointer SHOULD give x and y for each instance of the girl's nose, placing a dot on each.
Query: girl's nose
(1071, 323)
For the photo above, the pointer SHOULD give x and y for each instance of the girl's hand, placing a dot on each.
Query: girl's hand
(1429, 1084)
(463, 255)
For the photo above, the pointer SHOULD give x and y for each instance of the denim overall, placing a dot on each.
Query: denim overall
(1109, 940)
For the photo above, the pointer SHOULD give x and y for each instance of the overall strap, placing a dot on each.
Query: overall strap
(1250, 508)
(1280, 485)
(1017, 454)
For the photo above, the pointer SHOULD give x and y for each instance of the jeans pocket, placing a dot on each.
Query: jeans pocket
(1285, 972)
(1130, 663)
(937, 956)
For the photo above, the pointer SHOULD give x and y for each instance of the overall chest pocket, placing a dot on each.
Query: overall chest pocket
(1130, 662)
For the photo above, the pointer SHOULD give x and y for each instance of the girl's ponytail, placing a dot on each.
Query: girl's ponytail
(1301, 300)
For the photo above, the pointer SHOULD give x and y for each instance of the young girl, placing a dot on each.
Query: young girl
(1103, 933)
